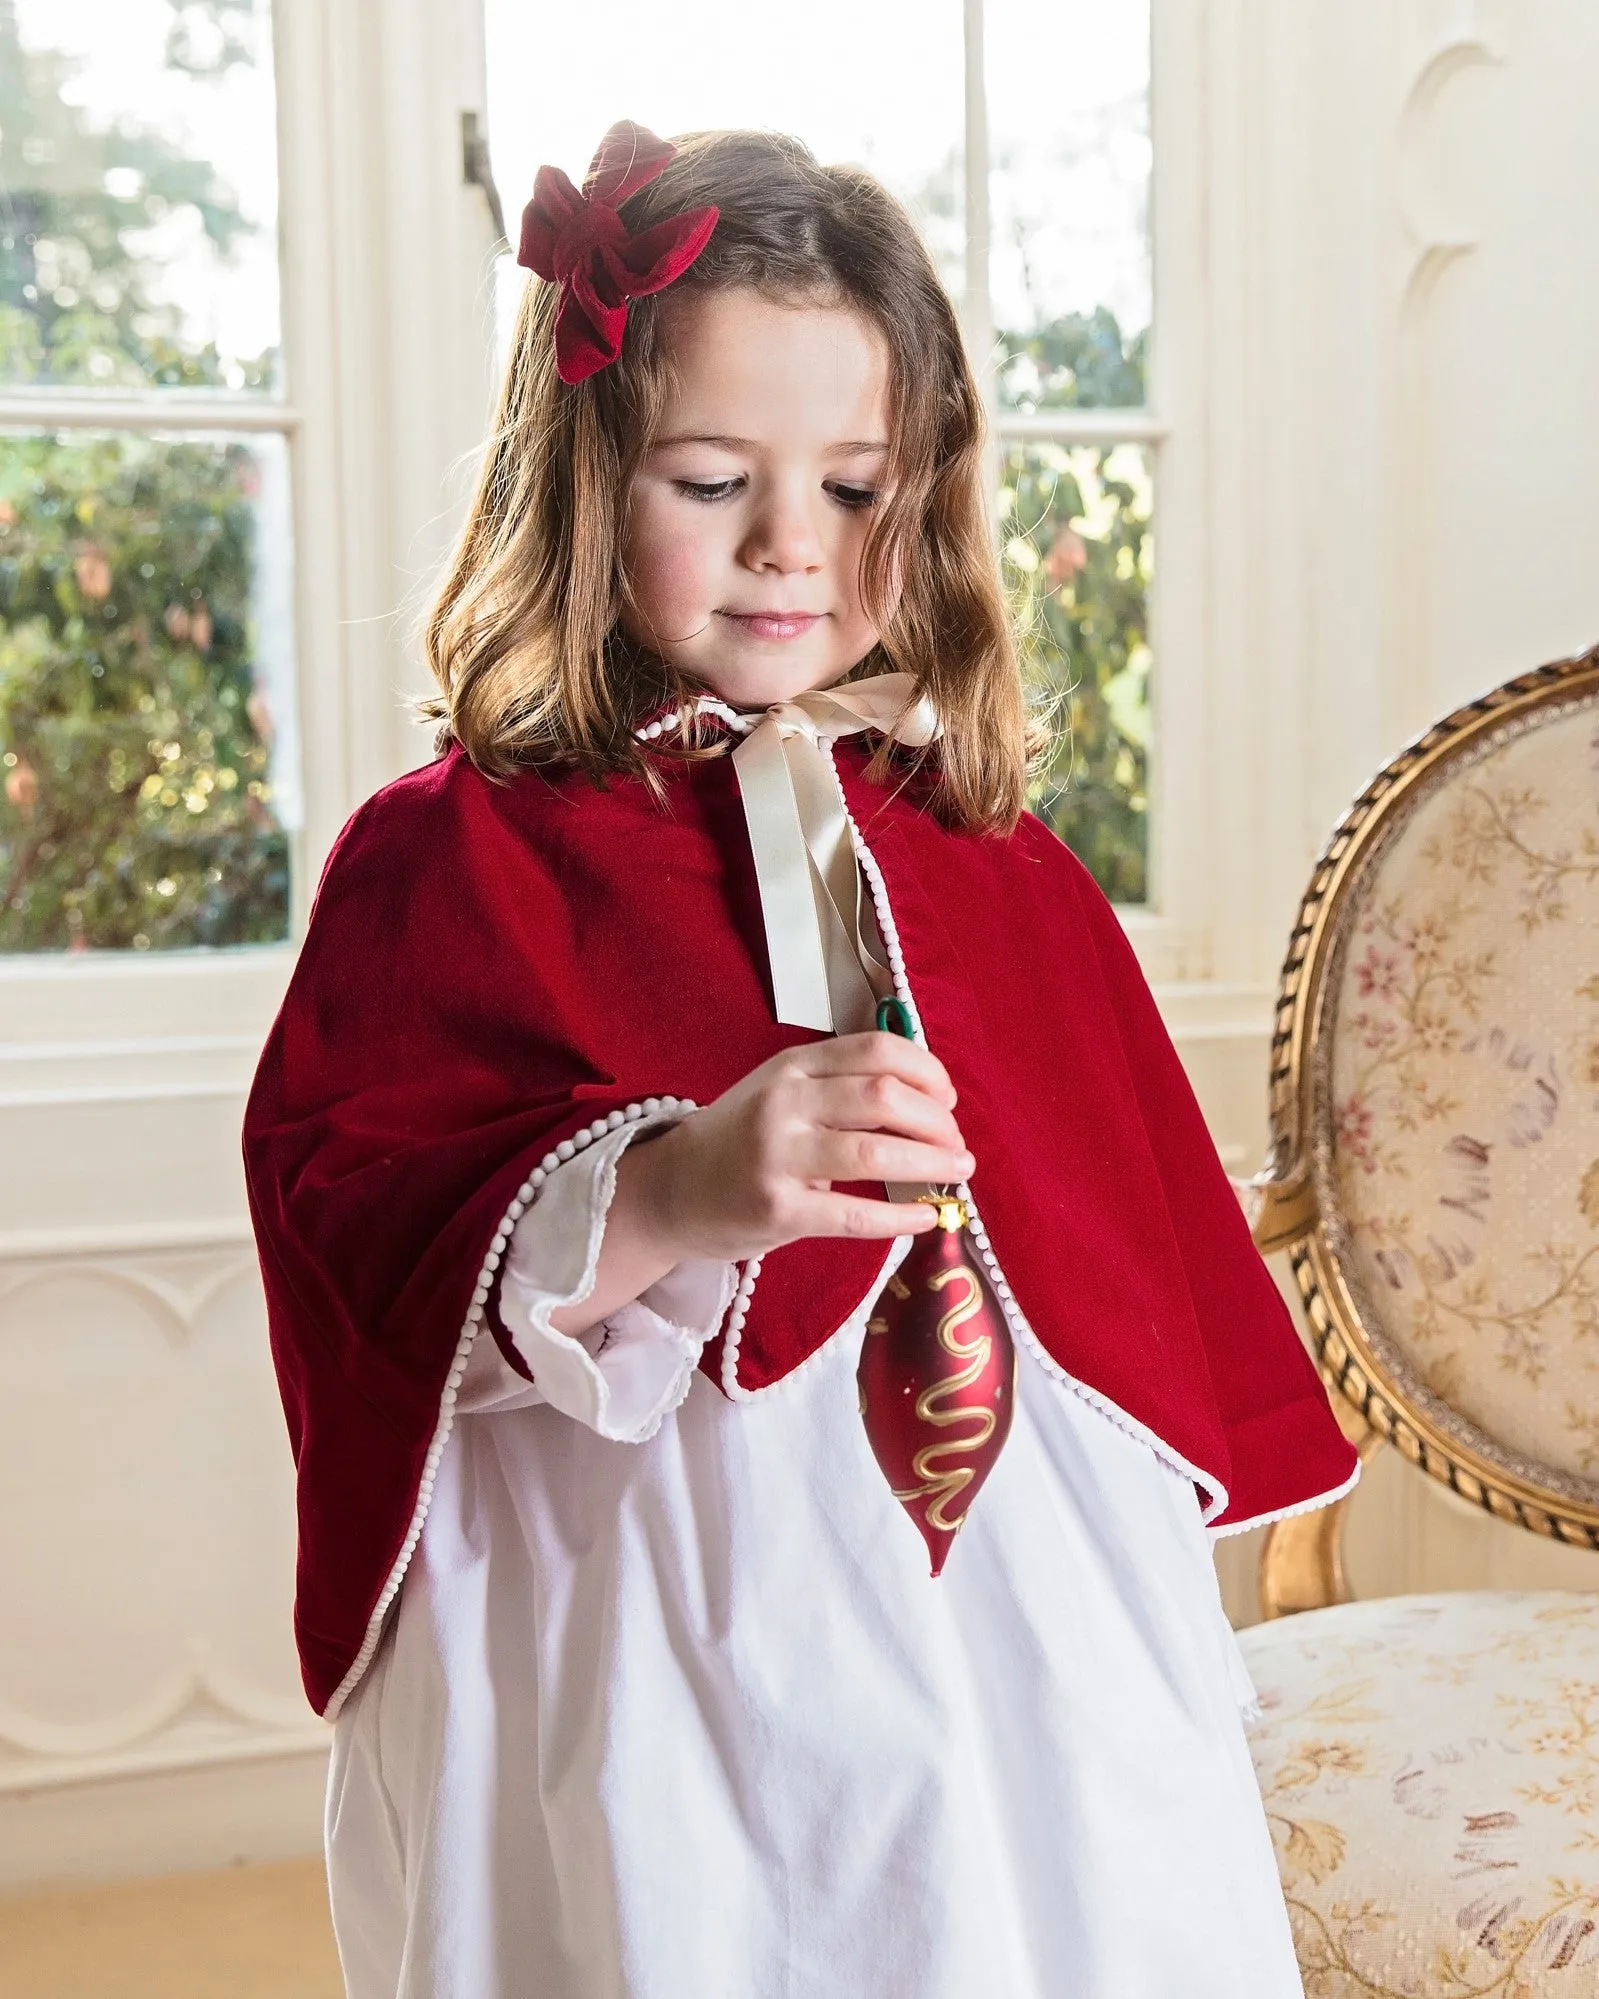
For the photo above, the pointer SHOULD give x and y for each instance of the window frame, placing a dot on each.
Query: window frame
(1169, 929)
(384, 392)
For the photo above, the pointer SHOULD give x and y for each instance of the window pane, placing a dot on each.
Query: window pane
(138, 232)
(1069, 153)
(879, 85)
(146, 684)
(1075, 522)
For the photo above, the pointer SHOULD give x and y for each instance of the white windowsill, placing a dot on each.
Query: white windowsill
(110, 1026)
(55, 1005)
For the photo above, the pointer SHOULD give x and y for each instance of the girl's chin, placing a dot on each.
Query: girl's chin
(761, 686)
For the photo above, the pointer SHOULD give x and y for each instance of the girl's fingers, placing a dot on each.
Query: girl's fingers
(879, 1054)
(849, 1215)
(883, 1103)
(872, 1155)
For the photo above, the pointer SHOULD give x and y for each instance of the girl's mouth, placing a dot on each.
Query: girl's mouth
(774, 624)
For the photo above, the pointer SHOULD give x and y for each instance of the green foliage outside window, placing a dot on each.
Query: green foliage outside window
(136, 796)
(1076, 540)
(135, 808)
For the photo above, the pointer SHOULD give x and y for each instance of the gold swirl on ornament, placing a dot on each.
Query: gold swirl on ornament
(942, 1488)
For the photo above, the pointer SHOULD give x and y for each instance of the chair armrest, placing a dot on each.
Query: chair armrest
(1279, 1208)
(1302, 1558)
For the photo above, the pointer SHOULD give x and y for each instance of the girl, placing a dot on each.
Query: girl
(641, 1683)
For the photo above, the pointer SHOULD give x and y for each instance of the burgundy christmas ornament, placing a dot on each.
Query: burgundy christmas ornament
(938, 1379)
(579, 242)
(937, 1376)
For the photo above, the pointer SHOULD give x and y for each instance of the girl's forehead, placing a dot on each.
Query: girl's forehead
(744, 365)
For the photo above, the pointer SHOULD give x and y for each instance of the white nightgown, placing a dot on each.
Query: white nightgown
(671, 1708)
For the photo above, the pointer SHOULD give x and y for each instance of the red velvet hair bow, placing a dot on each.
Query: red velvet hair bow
(579, 242)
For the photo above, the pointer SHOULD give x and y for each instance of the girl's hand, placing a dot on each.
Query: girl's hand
(754, 1169)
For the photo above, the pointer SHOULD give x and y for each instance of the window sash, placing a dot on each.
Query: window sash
(147, 409)
(1108, 426)
(1169, 951)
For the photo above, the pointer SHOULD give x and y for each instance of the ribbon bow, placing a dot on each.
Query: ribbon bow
(805, 866)
(579, 242)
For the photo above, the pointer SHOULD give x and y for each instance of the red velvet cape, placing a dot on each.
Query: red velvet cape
(488, 968)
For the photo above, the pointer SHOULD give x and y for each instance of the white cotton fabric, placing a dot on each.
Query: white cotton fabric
(649, 1349)
(686, 1717)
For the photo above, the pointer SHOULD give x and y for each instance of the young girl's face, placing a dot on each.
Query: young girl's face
(746, 521)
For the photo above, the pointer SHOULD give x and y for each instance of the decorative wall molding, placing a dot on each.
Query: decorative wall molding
(179, 1290)
(72, 1244)
(1435, 236)
(146, 1487)
(188, 1727)
(1424, 205)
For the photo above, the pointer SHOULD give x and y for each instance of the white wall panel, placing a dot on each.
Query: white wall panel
(1510, 381)
(150, 1708)
(1408, 202)
(144, 1478)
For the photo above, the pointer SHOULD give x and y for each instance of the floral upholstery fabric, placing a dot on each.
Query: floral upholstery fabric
(1430, 1766)
(1458, 1100)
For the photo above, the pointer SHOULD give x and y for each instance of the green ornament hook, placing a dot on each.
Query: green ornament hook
(894, 1017)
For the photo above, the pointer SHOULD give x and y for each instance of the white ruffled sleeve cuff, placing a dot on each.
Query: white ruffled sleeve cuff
(624, 1376)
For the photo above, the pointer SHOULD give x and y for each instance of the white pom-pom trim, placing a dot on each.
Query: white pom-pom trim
(707, 704)
(651, 1107)
(737, 1313)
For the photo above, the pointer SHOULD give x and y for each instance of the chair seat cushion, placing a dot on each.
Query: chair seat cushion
(1430, 1766)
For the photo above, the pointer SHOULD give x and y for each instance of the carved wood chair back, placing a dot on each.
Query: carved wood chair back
(1435, 1118)
(1429, 1764)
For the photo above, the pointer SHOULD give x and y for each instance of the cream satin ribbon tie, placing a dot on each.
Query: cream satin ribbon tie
(805, 866)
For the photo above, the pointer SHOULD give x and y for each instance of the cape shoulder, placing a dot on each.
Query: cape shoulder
(428, 825)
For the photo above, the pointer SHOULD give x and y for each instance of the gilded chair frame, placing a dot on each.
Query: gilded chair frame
(1301, 1566)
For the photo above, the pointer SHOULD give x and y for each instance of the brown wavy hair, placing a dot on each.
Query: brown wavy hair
(524, 636)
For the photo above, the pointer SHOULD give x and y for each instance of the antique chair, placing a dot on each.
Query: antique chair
(1430, 1764)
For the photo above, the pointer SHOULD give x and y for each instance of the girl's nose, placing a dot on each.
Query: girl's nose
(783, 536)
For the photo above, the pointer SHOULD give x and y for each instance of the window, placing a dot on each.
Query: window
(147, 710)
(1065, 103)
(1019, 137)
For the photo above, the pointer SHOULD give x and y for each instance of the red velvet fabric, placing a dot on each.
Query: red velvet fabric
(490, 967)
(579, 242)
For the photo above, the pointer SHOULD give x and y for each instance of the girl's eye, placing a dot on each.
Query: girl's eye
(708, 490)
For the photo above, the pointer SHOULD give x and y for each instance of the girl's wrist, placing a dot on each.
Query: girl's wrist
(635, 1252)
(644, 1176)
